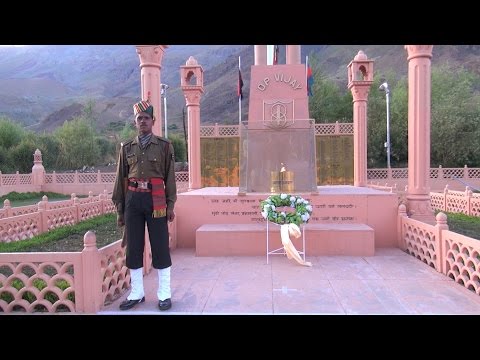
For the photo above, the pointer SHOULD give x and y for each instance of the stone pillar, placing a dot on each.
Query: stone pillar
(294, 54)
(91, 301)
(260, 54)
(419, 79)
(360, 78)
(193, 92)
(151, 57)
(38, 171)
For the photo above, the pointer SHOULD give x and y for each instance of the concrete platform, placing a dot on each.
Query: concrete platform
(341, 204)
(251, 239)
(390, 282)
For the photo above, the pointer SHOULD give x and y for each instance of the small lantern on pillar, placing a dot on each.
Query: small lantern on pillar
(360, 70)
(191, 83)
(189, 70)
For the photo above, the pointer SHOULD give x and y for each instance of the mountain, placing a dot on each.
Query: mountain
(42, 86)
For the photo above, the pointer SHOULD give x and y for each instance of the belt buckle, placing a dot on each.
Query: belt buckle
(142, 185)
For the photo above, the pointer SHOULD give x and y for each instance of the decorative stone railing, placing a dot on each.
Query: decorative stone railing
(80, 282)
(455, 178)
(18, 225)
(465, 202)
(457, 256)
(67, 183)
(395, 178)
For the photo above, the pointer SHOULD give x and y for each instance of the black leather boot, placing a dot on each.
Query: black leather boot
(128, 304)
(164, 304)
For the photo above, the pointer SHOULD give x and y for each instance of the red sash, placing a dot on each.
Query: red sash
(159, 199)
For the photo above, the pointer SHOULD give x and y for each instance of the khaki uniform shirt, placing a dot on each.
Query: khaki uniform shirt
(156, 160)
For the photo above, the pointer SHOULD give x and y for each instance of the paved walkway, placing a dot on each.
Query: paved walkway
(391, 282)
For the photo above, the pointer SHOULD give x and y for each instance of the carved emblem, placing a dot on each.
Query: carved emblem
(276, 114)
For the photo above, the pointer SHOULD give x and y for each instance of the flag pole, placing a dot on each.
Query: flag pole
(306, 73)
(239, 99)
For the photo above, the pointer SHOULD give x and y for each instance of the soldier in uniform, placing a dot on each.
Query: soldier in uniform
(145, 191)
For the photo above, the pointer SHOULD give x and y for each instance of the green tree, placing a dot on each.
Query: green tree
(50, 147)
(128, 132)
(22, 154)
(454, 110)
(89, 112)
(6, 165)
(455, 118)
(107, 150)
(10, 133)
(178, 146)
(329, 102)
(78, 145)
(399, 124)
(377, 122)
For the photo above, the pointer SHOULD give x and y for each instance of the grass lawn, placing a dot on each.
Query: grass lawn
(26, 202)
(30, 198)
(463, 224)
(69, 238)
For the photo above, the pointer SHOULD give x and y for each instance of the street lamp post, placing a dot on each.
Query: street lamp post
(384, 87)
(163, 93)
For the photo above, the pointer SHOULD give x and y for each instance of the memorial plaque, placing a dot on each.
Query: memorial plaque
(219, 161)
(334, 160)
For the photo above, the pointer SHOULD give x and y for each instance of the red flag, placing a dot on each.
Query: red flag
(240, 85)
(309, 81)
(275, 55)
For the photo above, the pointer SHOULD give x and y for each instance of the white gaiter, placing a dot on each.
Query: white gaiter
(164, 292)
(136, 277)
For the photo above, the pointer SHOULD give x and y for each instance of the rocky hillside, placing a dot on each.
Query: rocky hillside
(42, 86)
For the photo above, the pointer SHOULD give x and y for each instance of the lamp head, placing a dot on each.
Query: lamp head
(163, 89)
(384, 87)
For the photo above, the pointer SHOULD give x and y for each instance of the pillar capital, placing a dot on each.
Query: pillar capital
(360, 92)
(192, 96)
(415, 51)
(151, 55)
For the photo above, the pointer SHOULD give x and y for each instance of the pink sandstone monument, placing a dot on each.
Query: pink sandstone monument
(279, 132)
(346, 220)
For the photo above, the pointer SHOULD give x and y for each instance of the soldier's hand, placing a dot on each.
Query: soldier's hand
(170, 215)
(120, 220)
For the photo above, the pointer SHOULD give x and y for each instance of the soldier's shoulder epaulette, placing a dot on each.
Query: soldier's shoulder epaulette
(161, 138)
(126, 143)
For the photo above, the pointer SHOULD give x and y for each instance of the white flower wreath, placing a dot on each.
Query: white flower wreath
(302, 213)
